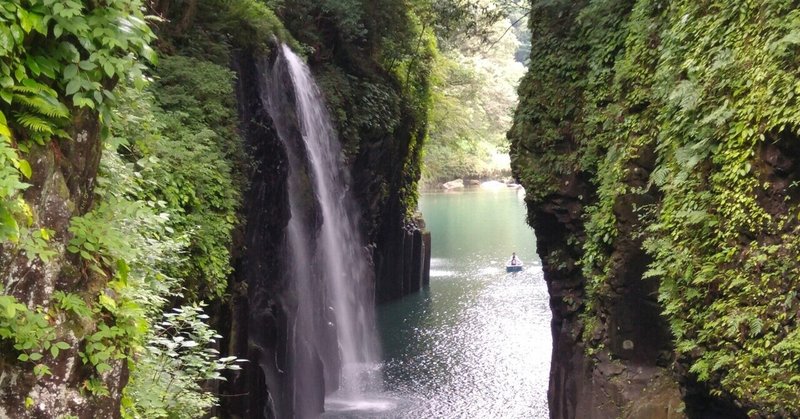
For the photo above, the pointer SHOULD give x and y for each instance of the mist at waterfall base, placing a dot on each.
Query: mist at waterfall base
(477, 343)
(333, 324)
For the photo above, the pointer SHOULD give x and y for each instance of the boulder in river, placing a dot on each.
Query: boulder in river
(454, 184)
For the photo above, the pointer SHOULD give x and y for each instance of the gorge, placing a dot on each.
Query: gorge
(212, 208)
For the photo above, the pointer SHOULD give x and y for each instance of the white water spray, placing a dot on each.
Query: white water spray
(330, 258)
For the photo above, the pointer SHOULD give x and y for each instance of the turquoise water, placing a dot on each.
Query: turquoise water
(477, 343)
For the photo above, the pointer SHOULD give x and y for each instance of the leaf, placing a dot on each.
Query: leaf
(103, 367)
(10, 311)
(41, 370)
(6, 39)
(33, 66)
(149, 54)
(4, 131)
(108, 68)
(25, 168)
(36, 356)
(107, 302)
(123, 270)
(34, 123)
(9, 229)
(98, 270)
(70, 71)
(87, 65)
(73, 86)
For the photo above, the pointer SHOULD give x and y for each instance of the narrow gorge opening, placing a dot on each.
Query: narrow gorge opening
(307, 208)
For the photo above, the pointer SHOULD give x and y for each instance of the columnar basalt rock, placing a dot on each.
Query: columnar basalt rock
(258, 328)
(263, 302)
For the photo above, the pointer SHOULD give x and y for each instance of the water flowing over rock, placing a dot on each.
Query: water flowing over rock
(327, 257)
(265, 317)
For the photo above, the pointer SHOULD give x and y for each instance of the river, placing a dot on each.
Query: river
(477, 343)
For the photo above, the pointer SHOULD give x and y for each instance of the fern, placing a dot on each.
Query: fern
(701, 369)
(35, 123)
(34, 88)
(44, 105)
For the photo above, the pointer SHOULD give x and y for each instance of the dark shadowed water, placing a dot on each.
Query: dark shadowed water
(477, 343)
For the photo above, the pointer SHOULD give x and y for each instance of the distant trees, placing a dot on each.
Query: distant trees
(475, 87)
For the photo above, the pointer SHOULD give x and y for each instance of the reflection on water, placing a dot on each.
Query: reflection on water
(477, 343)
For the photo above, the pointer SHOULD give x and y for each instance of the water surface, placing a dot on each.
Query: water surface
(477, 343)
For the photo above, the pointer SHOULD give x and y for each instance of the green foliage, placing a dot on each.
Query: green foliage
(706, 86)
(29, 331)
(374, 62)
(185, 143)
(361, 107)
(56, 59)
(179, 357)
(181, 160)
(166, 195)
(247, 23)
(473, 97)
(122, 241)
(12, 207)
(137, 239)
(57, 55)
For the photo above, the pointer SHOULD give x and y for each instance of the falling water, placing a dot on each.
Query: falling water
(329, 261)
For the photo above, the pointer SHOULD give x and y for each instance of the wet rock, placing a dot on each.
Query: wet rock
(259, 316)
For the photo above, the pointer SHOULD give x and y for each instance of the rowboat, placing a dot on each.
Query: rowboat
(515, 267)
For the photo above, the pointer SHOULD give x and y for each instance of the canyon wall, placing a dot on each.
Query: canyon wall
(654, 151)
(382, 146)
(143, 196)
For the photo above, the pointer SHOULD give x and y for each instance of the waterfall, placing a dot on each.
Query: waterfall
(334, 323)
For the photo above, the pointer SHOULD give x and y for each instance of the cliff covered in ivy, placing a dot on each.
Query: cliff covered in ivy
(143, 194)
(658, 144)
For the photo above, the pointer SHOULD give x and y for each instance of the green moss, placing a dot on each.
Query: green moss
(373, 61)
(220, 26)
(705, 85)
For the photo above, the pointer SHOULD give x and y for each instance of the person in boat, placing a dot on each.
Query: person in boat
(514, 261)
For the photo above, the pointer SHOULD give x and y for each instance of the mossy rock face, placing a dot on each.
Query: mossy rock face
(667, 115)
(62, 187)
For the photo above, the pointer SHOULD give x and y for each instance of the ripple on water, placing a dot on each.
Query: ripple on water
(484, 353)
(477, 344)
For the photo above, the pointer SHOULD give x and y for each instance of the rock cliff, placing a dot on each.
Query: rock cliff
(384, 163)
(654, 165)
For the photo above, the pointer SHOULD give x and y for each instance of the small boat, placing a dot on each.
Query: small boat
(515, 267)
